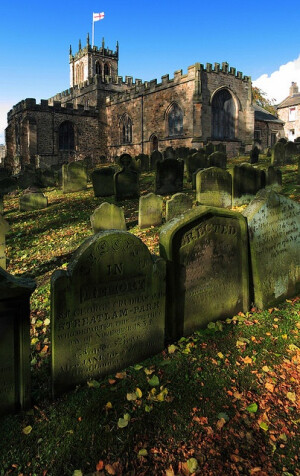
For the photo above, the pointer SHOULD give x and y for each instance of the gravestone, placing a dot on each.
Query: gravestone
(195, 162)
(169, 153)
(126, 182)
(217, 159)
(268, 152)
(274, 178)
(274, 235)
(182, 152)
(7, 185)
(107, 309)
(14, 342)
(74, 177)
(220, 148)
(33, 201)
(46, 178)
(178, 204)
(169, 176)
(150, 210)
(278, 154)
(213, 187)
(156, 156)
(254, 155)
(144, 161)
(207, 268)
(290, 151)
(282, 140)
(209, 148)
(28, 178)
(4, 229)
(108, 217)
(246, 181)
(103, 181)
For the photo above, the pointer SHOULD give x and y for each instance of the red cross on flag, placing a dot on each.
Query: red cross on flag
(98, 16)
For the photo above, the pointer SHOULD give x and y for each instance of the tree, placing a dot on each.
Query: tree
(259, 97)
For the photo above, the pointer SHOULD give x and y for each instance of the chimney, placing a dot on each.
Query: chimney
(293, 89)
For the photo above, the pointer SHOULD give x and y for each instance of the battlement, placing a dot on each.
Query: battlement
(138, 86)
(99, 51)
(49, 106)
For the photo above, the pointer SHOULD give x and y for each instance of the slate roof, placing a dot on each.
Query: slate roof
(290, 101)
(260, 114)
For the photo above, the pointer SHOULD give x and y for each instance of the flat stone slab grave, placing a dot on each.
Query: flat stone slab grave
(14, 342)
(207, 268)
(107, 309)
(274, 235)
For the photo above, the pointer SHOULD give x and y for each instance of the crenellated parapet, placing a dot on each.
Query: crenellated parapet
(46, 105)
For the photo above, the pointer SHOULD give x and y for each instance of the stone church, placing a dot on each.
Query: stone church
(102, 114)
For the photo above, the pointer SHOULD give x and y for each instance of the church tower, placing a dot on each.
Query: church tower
(90, 61)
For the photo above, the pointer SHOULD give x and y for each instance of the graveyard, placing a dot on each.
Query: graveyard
(208, 384)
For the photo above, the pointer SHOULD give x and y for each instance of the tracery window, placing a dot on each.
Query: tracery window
(175, 120)
(223, 115)
(126, 129)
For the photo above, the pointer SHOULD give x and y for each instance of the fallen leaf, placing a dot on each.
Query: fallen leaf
(263, 426)
(110, 469)
(120, 375)
(27, 430)
(220, 423)
(269, 386)
(172, 348)
(154, 381)
(123, 422)
(108, 406)
(143, 452)
(100, 465)
(220, 355)
(291, 396)
(252, 408)
(265, 368)
(192, 464)
(93, 384)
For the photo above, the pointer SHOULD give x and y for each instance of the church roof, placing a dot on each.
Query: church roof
(260, 114)
(290, 101)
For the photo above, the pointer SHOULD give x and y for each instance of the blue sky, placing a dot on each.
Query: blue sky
(157, 37)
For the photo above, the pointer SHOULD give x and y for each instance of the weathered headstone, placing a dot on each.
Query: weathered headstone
(246, 181)
(46, 178)
(209, 148)
(33, 201)
(217, 159)
(126, 182)
(290, 151)
(254, 155)
(278, 154)
(14, 342)
(108, 217)
(274, 235)
(220, 148)
(207, 268)
(156, 156)
(74, 177)
(150, 210)
(103, 181)
(182, 152)
(169, 153)
(274, 178)
(107, 309)
(213, 187)
(169, 176)
(194, 162)
(144, 161)
(178, 204)
(4, 229)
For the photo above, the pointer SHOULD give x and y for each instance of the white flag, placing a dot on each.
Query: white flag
(98, 16)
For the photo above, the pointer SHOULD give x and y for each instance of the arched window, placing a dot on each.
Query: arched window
(175, 120)
(77, 79)
(98, 68)
(81, 72)
(154, 142)
(66, 137)
(126, 129)
(223, 115)
(106, 70)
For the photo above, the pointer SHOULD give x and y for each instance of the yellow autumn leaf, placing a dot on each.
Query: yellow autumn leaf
(138, 392)
(284, 336)
(265, 368)
(269, 387)
(220, 355)
(247, 360)
(291, 396)
(131, 396)
(27, 430)
(108, 406)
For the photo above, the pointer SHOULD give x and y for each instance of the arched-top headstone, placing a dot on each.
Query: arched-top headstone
(169, 153)
(278, 155)
(150, 210)
(178, 204)
(207, 261)
(213, 187)
(107, 309)
(156, 156)
(108, 217)
(246, 181)
(103, 181)
(194, 162)
(126, 182)
(217, 159)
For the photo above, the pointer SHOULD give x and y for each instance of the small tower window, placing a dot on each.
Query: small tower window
(175, 120)
(98, 68)
(126, 129)
(106, 70)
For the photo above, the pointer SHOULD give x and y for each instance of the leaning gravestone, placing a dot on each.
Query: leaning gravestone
(74, 177)
(178, 204)
(107, 309)
(169, 176)
(213, 187)
(217, 159)
(108, 217)
(126, 182)
(278, 154)
(274, 234)
(156, 156)
(246, 181)
(150, 210)
(33, 201)
(103, 181)
(274, 178)
(207, 261)
(254, 155)
(4, 229)
(14, 342)
(195, 162)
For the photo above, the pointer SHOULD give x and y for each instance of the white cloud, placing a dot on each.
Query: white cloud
(277, 85)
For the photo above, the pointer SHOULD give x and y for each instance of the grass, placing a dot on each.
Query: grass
(206, 382)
